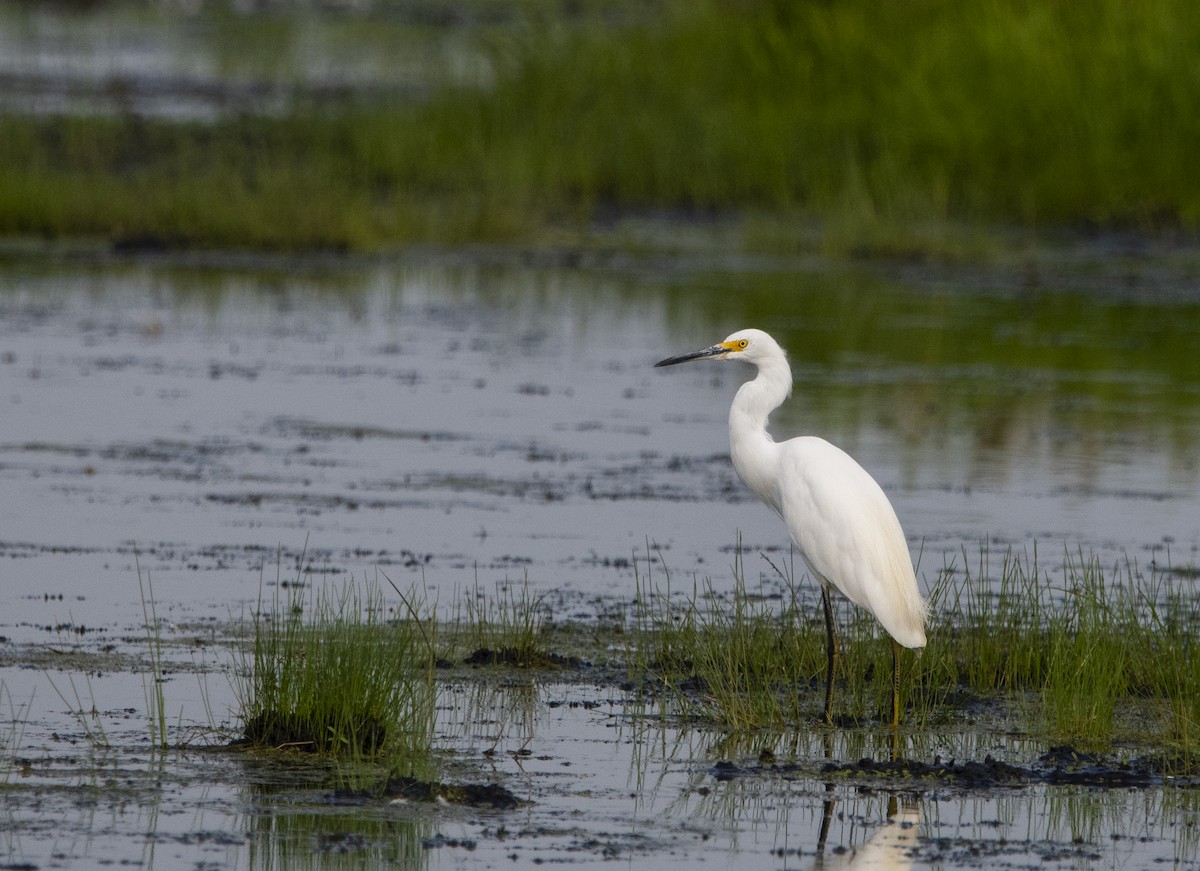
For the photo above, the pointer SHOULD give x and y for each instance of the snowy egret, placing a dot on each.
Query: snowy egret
(838, 516)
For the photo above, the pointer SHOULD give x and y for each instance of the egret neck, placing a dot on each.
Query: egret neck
(754, 453)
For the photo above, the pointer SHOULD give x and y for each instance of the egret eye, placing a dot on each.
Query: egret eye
(742, 343)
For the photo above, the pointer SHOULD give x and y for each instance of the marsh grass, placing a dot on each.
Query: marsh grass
(848, 126)
(1174, 672)
(85, 714)
(1078, 653)
(152, 683)
(1097, 655)
(510, 626)
(330, 673)
(736, 659)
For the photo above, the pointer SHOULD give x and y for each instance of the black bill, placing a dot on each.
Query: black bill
(714, 351)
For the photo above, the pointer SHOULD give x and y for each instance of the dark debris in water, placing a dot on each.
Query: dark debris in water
(485, 795)
(522, 659)
(478, 795)
(439, 840)
(308, 734)
(1059, 766)
(987, 773)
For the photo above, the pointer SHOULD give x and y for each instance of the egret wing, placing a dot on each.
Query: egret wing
(849, 535)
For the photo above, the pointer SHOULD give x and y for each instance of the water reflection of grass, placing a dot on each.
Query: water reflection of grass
(1083, 654)
(10, 733)
(778, 779)
(303, 838)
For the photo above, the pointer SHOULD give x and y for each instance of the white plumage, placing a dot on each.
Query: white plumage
(839, 518)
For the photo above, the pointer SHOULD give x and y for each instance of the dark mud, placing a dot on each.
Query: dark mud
(1059, 766)
(478, 795)
(520, 659)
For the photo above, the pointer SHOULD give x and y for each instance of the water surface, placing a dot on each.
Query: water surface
(452, 420)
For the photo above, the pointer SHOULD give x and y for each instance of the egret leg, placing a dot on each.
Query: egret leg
(831, 653)
(895, 683)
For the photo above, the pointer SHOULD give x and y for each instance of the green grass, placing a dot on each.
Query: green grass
(1079, 654)
(330, 673)
(857, 127)
(152, 683)
(1098, 655)
(337, 671)
(735, 660)
(511, 625)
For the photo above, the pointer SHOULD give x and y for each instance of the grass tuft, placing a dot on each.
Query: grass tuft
(330, 674)
(509, 627)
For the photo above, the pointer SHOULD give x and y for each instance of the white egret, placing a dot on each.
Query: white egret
(842, 523)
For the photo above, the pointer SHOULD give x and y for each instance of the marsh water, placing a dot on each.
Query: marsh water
(204, 428)
(482, 418)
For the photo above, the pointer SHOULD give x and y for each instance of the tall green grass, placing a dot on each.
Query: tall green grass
(886, 127)
(330, 672)
(152, 683)
(1079, 653)
(737, 659)
(1099, 654)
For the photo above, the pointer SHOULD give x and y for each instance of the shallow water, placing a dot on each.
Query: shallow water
(198, 60)
(449, 420)
(601, 779)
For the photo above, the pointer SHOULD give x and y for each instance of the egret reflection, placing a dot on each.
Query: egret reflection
(891, 848)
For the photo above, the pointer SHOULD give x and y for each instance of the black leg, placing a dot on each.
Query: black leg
(895, 683)
(831, 651)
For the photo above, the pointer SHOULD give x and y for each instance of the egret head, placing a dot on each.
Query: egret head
(750, 346)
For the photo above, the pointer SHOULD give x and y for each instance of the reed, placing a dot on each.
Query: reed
(12, 733)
